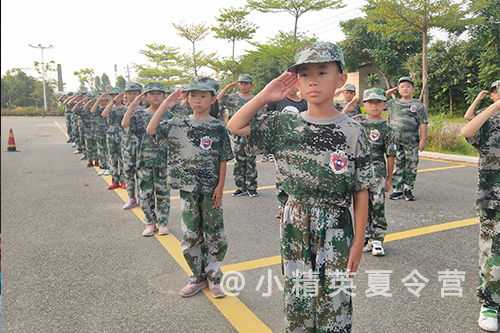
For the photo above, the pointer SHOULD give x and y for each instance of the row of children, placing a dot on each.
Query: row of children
(324, 162)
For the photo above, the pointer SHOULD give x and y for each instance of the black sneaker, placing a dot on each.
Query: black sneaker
(408, 196)
(239, 192)
(396, 196)
(253, 193)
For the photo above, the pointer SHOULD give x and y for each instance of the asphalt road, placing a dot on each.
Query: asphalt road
(74, 261)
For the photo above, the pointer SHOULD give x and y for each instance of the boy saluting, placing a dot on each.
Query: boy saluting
(324, 160)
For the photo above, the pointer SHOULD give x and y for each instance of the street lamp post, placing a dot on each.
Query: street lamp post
(43, 71)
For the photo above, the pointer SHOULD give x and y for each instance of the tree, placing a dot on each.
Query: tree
(98, 85)
(86, 76)
(372, 80)
(18, 88)
(384, 51)
(294, 7)
(50, 78)
(234, 26)
(194, 33)
(163, 61)
(121, 82)
(419, 16)
(106, 83)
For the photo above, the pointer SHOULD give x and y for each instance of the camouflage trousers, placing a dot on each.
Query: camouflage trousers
(376, 226)
(79, 136)
(102, 152)
(129, 146)
(280, 191)
(315, 243)
(405, 168)
(488, 288)
(245, 166)
(90, 147)
(204, 242)
(113, 140)
(69, 125)
(153, 185)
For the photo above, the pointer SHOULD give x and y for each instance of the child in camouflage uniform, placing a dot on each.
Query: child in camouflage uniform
(113, 138)
(472, 108)
(483, 132)
(100, 129)
(350, 106)
(85, 128)
(381, 138)
(71, 102)
(406, 115)
(151, 160)
(68, 114)
(198, 149)
(128, 142)
(245, 166)
(324, 160)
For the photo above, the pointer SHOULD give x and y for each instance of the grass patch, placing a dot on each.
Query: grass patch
(33, 112)
(443, 136)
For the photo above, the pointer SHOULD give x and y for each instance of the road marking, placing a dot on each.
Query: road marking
(64, 132)
(444, 168)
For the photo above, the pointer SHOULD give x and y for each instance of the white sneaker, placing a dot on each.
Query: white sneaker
(107, 172)
(264, 158)
(377, 249)
(367, 247)
(101, 172)
(270, 158)
(488, 319)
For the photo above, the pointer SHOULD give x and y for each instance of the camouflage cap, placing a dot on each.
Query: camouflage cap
(350, 87)
(494, 85)
(133, 86)
(89, 96)
(407, 79)
(317, 53)
(115, 90)
(245, 78)
(374, 93)
(203, 83)
(153, 86)
(168, 91)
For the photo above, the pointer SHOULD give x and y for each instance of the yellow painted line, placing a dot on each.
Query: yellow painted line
(269, 261)
(430, 229)
(62, 130)
(444, 168)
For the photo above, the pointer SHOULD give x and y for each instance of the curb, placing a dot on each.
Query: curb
(449, 157)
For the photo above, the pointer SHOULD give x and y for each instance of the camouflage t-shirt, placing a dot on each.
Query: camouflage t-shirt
(318, 160)
(178, 110)
(116, 116)
(70, 107)
(149, 152)
(341, 105)
(234, 102)
(406, 117)
(487, 143)
(195, 149)
(85, 117)
(381, 138)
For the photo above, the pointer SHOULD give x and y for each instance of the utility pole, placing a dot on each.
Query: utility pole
(43, 71)
(116, 73)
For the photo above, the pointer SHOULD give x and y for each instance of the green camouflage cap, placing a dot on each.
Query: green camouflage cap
(494, 85)
(245, 78)
(168, 91)
(153, 86)
(350, 87)
(317, 53)
(374, 93)
(89, 96)
(407, 79)
(115, 90)
(203, 83)
(133, 86)
(82, 92)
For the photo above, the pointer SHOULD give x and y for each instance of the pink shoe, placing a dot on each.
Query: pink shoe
(193, 288)
(216, 290)
(130, 204)
(150, 230)
(163, 230)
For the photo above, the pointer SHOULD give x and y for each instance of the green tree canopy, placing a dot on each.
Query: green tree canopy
(121, 82)
(162, 65)
(86, 76)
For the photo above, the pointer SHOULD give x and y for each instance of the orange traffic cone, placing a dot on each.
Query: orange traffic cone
(11, 144)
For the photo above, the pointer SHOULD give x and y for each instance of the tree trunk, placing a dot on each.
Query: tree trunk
(425, 91)
(295, 33)
(451, 104)
(385, 78)
(232, 64)
(195, 65)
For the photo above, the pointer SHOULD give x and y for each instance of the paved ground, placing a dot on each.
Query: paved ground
(74, 261)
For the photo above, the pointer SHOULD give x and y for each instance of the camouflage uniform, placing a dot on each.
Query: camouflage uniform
(101, 127)
(487, 142)
(381, 138)
(178, 110)
(129, 147)
(406, 117)
(341, 105)
(69, 121)
(85, 129)
(321, 162)
(245, 166)
(113, 138)
(75, 130)
(151, 169)
(196, 147)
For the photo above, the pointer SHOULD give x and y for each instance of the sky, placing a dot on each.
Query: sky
(98, 34)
